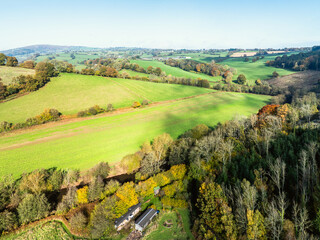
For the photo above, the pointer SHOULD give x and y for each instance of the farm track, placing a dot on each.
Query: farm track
(71, 120)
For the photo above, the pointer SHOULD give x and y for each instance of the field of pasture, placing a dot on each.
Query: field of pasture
(70, 93)
(177, 72)
(254, 70)
(8, 73)
(109, 137)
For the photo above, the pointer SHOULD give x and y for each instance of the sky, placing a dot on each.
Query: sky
(174, 24)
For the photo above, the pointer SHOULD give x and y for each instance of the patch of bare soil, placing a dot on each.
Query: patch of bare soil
(305, 79)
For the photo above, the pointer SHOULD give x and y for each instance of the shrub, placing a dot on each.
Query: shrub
(145, 102)
(136, 104)
(81, 114)
(275, 74)
(174, 202)
(92, 111)
(109, 107)
(5, 126)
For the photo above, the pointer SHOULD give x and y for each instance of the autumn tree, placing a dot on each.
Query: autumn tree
(33, 182)
(11, 62)
(82, 195)
(2, 59)
(28, 64)
(3, 90)
(216, 218)
(127, 197)
(241, 79)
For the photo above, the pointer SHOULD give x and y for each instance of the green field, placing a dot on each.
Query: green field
(177, 72)
(46, 231)
(133, 73)
(8, 73)
(180, 228)
(82, 144)
(82, 92)
(79, 57)
(254, 71)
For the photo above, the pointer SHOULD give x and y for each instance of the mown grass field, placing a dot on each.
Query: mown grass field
(70, 93)
(177, 72)
(82, 144)
(8, 73)
(180, 228)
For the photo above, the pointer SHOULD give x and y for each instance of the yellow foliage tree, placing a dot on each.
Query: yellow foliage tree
(146, 188)
(127, 194)
(255, 228)
(82, 195)
(178, 171)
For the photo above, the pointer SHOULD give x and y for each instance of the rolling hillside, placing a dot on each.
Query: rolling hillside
(82, 92)
(82, 144)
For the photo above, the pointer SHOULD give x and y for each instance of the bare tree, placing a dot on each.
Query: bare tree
(301, 221)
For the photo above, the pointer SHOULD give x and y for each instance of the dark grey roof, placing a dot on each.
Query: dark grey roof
(145, 217)
(127, 214)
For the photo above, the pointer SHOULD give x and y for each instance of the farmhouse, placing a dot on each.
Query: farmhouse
(143, 221)
(125, 218)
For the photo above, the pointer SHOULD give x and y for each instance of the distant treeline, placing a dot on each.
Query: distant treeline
(210, 69)
(298, 62)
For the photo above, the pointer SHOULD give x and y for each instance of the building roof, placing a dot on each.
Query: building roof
(127, 214)
(145, 217)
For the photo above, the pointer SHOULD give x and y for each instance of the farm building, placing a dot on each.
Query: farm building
(125, 218)
(143, 221)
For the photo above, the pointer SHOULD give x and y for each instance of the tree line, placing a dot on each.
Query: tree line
(298, 62)
(211, 69)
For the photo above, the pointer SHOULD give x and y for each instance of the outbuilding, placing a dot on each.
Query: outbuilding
(143, 221)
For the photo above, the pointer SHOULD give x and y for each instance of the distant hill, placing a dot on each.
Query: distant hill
(42, 49)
